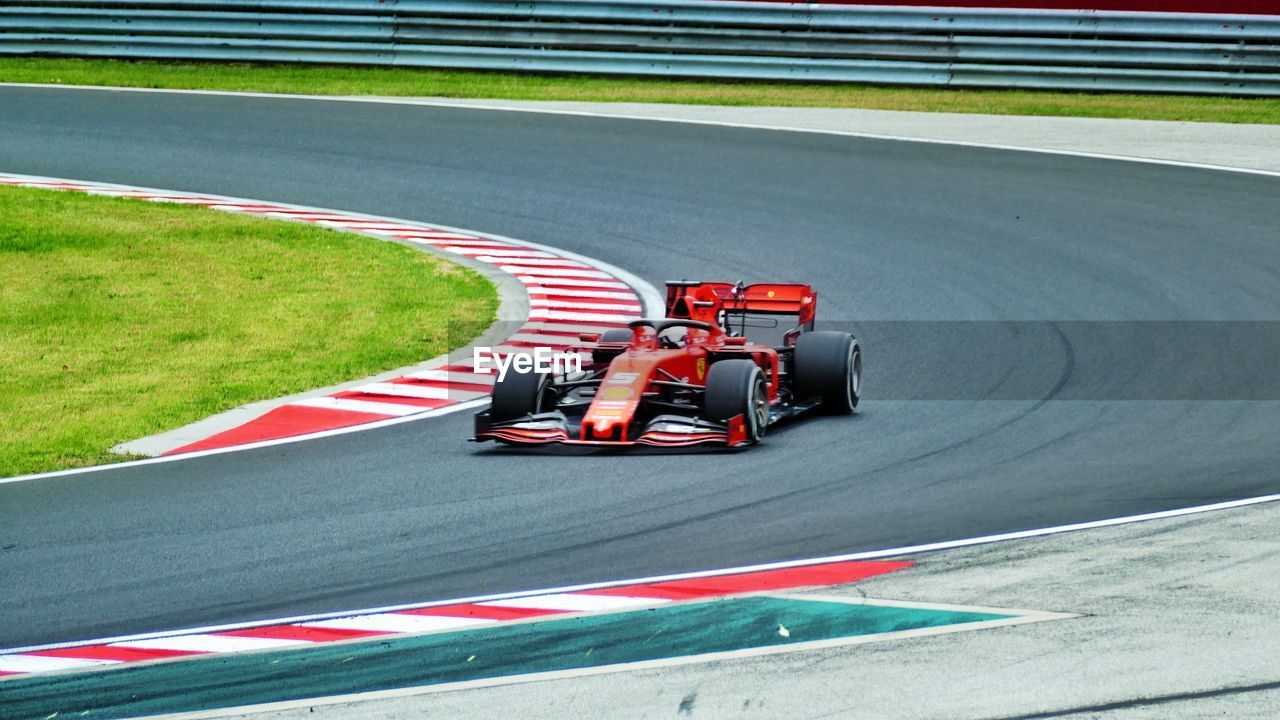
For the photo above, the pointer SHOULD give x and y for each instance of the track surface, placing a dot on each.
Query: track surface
(885, 230)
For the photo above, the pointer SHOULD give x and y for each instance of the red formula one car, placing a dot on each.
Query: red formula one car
(692, 377)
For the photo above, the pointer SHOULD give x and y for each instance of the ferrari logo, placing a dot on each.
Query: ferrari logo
(771, 293)
(702, 368)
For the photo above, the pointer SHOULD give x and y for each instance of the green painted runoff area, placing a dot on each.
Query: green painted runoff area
(219, 681)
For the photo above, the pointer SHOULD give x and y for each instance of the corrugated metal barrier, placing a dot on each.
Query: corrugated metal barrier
(958, 47)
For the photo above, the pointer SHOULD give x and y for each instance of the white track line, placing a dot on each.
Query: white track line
(205, 643)
(399, 623)
(569, 602)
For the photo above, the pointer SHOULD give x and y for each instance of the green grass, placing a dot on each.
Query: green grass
(341, 80)
(123, 318)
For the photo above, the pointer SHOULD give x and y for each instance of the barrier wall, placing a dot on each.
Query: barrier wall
(951, 47)
(1226, 7)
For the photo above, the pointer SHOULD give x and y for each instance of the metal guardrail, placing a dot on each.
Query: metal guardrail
(1076, 50)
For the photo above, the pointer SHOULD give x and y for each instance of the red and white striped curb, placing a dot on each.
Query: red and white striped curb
(433, 618)
(567, 296)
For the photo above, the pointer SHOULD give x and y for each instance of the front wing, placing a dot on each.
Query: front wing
(663, 431)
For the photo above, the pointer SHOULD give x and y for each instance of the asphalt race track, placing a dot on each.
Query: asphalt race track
(887, 231)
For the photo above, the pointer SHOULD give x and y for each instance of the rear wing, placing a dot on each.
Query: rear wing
(688, 299)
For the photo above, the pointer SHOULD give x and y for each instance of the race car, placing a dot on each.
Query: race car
(691, 378)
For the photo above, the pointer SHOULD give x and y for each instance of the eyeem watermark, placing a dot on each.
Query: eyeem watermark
(541, 359)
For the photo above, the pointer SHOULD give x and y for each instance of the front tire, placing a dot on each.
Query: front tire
(828, 365)
(737, 387)
(519, 394)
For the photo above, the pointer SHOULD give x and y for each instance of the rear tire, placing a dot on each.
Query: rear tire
(737, 387)
(518, 394)
(828, 365)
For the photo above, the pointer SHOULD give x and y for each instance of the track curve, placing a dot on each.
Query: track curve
(886, 231)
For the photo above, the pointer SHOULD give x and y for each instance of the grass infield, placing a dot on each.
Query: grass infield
(343, 80)
(123, 318)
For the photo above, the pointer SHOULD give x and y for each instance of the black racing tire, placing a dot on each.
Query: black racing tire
(518, 394)
(737, 387)
(828, 365)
